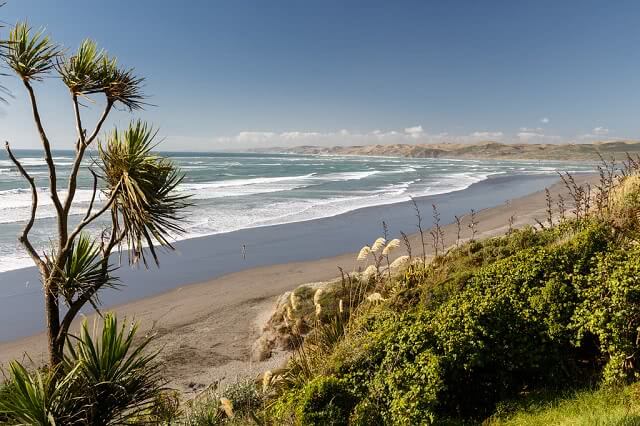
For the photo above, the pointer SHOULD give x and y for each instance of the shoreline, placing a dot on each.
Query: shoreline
(209, 257)
(206, 329)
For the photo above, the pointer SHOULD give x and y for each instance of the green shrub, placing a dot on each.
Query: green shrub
(325, 401)
(610, 311)
(366, 413)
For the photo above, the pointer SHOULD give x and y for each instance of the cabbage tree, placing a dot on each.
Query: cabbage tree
(138, 202)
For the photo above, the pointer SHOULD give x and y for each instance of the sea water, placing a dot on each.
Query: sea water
(232, 191)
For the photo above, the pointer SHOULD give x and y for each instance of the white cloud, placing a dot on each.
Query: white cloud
(544, 120)
(413, 134)
(487, 135)
(408, 135)
(415, 131)
(600, 131)
(536, 135)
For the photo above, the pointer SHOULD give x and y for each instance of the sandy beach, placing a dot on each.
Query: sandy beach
(206, 329)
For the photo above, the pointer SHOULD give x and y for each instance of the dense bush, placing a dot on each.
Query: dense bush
(610, 312)
(326, 401)
(556, 308)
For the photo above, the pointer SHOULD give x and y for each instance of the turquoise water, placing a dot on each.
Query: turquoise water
(238, 191)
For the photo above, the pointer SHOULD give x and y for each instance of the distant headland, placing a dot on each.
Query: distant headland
(481, 150)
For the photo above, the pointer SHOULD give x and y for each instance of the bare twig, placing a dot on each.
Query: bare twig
(512, 220)
(419, 217)
(549, 201)
(407, 244)
(385, 230)
(24, 237)
(562, 208)
(473, 225)
(437, 234)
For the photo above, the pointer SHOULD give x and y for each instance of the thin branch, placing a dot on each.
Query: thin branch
(93, 217)
(101, 121)
(93, 194)
(53, 182)
(24, 237)
(82, 146)
(79, 129)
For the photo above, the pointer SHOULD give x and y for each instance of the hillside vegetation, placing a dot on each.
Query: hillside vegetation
(482, 150)
(539, 326)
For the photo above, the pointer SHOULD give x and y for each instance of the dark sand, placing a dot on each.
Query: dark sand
(206, 329)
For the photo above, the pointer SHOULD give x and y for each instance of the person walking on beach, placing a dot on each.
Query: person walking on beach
(244, 252)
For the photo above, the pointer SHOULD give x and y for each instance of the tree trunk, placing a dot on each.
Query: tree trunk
(53, 324)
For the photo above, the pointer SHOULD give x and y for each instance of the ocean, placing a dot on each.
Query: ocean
(234, 191)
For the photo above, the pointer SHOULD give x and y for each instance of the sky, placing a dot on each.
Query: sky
(237, 74)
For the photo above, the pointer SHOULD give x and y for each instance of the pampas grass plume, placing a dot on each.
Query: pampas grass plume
(266, 380)
(370, 271)
(378, 244)
(317, 295)
(375, 297)
(399, 262)
(393, 244)
(227, 407)
(364, 253)
(340, 306)
(318, 310)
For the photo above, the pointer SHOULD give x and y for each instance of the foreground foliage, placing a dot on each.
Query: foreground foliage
(104, 380)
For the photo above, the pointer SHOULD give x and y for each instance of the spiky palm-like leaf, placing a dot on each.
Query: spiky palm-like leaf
(83, 271)
(119, 379)
(143, 184)
(80, 71)
(29, 54)
(91, 70)
(124, 86)
(40, 398)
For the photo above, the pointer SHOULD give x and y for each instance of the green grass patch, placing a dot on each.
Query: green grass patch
(603, 407)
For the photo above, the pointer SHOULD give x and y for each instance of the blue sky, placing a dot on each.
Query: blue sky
(234, 74)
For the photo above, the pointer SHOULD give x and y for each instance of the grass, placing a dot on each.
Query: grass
(601, 407)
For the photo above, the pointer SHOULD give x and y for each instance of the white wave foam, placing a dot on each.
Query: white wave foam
(15, 204)
(239, 187)
(216, 221)
(347, 175)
